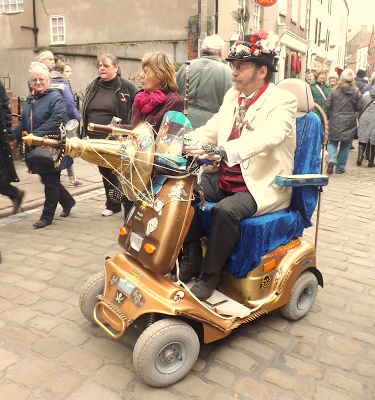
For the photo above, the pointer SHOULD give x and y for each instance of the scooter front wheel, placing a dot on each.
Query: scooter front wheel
(302, 297)
(165, 352)
(88, 300)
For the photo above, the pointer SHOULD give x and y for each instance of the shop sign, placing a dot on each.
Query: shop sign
(266, 3)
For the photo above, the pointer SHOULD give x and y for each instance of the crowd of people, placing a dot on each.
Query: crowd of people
(347, 103)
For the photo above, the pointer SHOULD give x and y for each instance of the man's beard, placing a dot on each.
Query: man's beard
(244, 82)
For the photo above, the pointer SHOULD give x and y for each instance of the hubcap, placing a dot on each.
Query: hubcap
(304, 298)
(171, 358)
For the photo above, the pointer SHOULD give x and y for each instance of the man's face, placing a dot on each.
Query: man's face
(309, 76)
(244, 75)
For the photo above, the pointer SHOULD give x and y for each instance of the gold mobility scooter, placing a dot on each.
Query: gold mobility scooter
(136, 286)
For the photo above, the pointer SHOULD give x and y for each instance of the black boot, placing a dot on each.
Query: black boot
(368, 151)
(206, 284)
(361, 151)
(372, 156)
(190, 260)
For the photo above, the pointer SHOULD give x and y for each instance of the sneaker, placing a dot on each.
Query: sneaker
(206, 284)
(330, 167)
(75, 183)
(107, 213)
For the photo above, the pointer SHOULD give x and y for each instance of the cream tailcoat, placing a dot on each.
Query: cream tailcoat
(265, 149)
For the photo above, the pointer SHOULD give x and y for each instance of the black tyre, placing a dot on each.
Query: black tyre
(165, 352)
(302, 297)
(88, 300)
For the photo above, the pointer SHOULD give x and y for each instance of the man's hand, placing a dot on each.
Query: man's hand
(196, 149)
(13, 144)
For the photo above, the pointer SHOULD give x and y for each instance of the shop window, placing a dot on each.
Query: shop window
(256, 20)
(292, 64)
(57, 25)
(11, 6)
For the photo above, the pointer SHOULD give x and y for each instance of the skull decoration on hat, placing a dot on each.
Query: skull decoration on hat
(260, 49)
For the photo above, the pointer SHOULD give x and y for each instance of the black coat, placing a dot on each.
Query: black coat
(7, 171)
(343, 104)
(124, 99)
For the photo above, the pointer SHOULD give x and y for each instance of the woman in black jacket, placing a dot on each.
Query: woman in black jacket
(107, 96)
(7, 171)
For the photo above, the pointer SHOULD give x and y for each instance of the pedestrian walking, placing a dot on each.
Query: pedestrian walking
(61, 77)
(370, 85)
(210, 79)
(42, 114)
(320, 89)
(309, 76)
(343, 102)
(7, 139)
(107, 96)
(366, 129)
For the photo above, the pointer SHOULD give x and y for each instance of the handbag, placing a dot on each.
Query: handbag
(38, 154)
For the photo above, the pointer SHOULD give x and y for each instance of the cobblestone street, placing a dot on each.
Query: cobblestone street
(49, 350)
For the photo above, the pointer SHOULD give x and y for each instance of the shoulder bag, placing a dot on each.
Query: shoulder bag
(37, 154)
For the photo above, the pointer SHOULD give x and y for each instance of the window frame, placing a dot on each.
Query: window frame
(256, 27)
(11, 2)
(58, 34)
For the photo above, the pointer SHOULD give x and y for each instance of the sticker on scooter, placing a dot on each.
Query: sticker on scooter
(176, 192)
(130, 214)
(145, 142)
(113, 281)
(265, 282)
(137, 274)
(306, 263)
(152, 224)
(119, 298)
(278, 275)
(158, 206)
(137, 298)
(158, 184)
(179, 296)
(284, 249)
(125, 286)
(141, 212)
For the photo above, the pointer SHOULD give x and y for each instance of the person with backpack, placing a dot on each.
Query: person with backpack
(342, 103)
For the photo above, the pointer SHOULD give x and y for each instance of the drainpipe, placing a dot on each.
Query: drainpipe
(34, 29)
(217, 17)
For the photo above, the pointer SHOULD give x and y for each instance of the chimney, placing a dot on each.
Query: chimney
(349, 31)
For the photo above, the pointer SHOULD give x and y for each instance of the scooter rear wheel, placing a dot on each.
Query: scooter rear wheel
(88, 300)
(165, 352)
(302, 297)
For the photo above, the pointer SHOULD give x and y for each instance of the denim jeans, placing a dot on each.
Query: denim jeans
(341, 158)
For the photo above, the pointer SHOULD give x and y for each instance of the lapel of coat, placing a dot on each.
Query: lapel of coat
(254, 108)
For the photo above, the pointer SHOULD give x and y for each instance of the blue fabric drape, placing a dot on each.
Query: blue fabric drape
(263, 234)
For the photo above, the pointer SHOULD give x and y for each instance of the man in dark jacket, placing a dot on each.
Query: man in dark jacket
(210, 79)
(359, 81)
(7, 171)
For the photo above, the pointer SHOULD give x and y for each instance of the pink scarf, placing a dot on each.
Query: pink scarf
(145, 102)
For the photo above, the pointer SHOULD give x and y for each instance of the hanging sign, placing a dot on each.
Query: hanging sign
(266, 3)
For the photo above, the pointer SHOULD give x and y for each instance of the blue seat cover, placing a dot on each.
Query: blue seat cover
(263, 234)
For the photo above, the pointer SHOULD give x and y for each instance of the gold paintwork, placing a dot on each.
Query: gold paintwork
(158, 292)
(133, 172)
(249, 291)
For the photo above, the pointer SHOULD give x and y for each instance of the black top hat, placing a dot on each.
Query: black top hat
(259, 49)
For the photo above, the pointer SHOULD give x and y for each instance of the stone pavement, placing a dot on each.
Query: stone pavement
(49, 351)
(34, 189)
